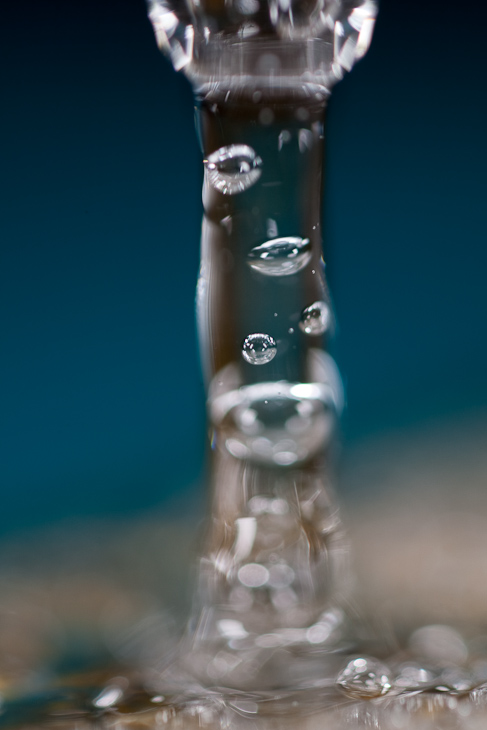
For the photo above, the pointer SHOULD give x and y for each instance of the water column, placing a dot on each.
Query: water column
(273, 571)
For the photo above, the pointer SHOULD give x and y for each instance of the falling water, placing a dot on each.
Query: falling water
(274, 638)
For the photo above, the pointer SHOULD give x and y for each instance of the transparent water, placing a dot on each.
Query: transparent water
(275, 639)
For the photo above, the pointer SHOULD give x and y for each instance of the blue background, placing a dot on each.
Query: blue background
(101, 401)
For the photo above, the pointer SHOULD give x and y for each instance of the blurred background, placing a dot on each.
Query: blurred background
(101, 399)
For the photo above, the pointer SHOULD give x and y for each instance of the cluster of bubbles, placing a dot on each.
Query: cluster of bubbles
(232, 170)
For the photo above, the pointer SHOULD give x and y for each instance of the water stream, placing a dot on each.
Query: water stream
(275, 639)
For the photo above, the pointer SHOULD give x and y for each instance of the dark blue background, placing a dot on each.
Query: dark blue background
(101, 402)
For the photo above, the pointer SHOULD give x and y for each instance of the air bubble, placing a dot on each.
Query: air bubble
(364, 677)
(234, 169)
(315, 319)
(281, 256)
(259, 349)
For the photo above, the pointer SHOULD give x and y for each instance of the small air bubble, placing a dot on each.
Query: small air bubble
(315, 319)
(259, 349)
(291, 330)
(233, 169)
(281, 256)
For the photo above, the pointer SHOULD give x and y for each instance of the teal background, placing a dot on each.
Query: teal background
(101, 401)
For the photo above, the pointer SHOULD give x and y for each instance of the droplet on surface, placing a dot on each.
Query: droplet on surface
(281, 256)
(315, 319)
(259, 349)
(365, 677)
(234, 169)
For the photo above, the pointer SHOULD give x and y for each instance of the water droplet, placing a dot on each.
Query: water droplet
(259, 349)
(281, 256)
(364, 677)
(233, 169)
(315, 319)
